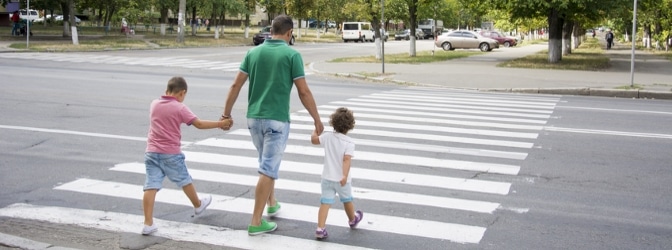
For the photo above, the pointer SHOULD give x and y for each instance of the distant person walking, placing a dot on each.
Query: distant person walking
(163, 156)
(336, 178)
(610, 38)
(16, 23)
(273, 69)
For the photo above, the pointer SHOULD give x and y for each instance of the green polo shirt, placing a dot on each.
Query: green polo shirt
(272, 68)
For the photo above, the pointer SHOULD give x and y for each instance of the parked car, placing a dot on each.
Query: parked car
(59, 18)
(506, 41)
(464, 39)
(357, 31)
(385, 34)
(314, 24)
(406, 34)
(24, 14)
(265, 33)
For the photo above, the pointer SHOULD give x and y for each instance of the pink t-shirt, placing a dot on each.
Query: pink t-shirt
(166, 115)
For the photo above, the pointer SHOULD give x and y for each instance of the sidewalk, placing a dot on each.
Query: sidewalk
(481, 73)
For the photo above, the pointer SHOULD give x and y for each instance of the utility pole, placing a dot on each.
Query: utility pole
(180, 21)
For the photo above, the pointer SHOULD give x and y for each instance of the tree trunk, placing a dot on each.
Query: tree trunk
(194, 21)
(247, 26)
(555, 24)
(412, 11)
(180, 21)
(164, 15)
(66, 12)
(576, 37)
(647, 36)
(567, 28)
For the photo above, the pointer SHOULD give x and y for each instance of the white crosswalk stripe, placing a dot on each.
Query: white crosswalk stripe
(228, 66)
(407, 140)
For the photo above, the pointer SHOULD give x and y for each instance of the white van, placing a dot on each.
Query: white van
(357, 31)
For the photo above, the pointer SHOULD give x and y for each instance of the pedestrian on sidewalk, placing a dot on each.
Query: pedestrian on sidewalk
(273, 68)
(16, 23)
(610, 38)
(336, 179)
(163, 156)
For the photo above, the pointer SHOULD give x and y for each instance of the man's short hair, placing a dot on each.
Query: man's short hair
(282, 24)
(176, 84)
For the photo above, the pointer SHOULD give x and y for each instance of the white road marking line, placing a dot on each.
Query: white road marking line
(440, 128)
(433, 114)
(315, 188)
(431, 137)
(619, 110)
(402, 178)
(447, 92)
(377, 157)
(70, 132)
(375, 222)
(404, 145)
(469, 105)
(357, 102)
(468, 100)
(178, 231)
(607, 132)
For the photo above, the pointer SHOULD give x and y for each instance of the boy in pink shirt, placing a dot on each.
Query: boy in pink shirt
(163, 157)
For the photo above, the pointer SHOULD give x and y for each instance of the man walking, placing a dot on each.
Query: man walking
(273, 69)
(610, 38)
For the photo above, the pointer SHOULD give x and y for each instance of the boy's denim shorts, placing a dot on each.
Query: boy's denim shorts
(158, 166)
(270, 139)
(331, 188)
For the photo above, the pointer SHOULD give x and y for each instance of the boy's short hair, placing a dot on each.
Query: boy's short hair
(281, 24)
(342, 120)
(176, 84)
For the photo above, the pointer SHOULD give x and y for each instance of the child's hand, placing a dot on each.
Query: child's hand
(228, 123)
(344, 181)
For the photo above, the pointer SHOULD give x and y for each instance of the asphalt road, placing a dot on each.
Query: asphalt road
(438, 168)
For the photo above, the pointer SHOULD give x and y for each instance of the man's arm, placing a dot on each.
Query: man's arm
(309, 103)
(231, 98)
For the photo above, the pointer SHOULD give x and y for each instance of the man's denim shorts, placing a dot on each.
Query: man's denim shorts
(331, 188)
(270, 138)
(158, 166)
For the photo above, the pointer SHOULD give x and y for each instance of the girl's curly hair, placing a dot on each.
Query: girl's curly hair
(342, 120)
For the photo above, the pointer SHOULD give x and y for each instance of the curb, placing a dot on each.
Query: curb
(603, 92)
(623, 93)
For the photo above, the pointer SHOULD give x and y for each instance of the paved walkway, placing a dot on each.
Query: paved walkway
(480, 72)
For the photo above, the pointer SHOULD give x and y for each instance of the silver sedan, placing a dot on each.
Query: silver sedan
(464, 39)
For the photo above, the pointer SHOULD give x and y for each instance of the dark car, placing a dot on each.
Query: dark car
(506, 41)
(265, 33)
(406, 34)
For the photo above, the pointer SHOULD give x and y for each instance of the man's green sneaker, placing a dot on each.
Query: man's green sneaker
(272, 211)
(264, 227)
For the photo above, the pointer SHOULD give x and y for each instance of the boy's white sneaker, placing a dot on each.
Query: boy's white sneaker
(147, 230)
(205, 202)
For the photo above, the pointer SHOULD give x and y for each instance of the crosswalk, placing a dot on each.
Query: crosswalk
(218, 65)
(421, 153)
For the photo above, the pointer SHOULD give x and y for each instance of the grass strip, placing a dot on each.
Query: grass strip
(588, 57)
(421, 57)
